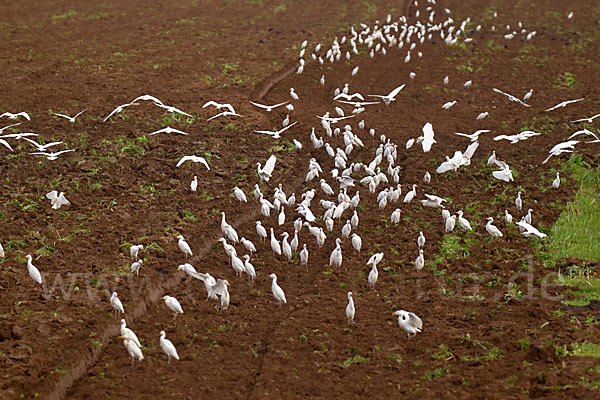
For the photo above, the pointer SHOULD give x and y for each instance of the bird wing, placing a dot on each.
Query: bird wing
(183, 159)
(212, 103)
(415, 321)
(178, 131)
(62, 115)
(5, 143)
(394, 92)
(53, 195)
(279, 104)
(259, 105)
(158, 131)
(471, 150)
(63, 151)
(79, 113)
(270, 165)
(428, 131)
(271, 133)
(287, 127)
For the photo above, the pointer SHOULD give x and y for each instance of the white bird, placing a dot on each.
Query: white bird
(15, 116)
(395, 217)
(350, 309)
(528, 95)
(387, 99)
(335, 259)
(229, 249)
(281, 217)
(519, 202)
(294, 242)
(168, 129)
(507, 217)
(492, 229)
(132, 348)
(277, 134)
(428, 139)
(421, 240)
(375, 259)
(432, 201)
(194, 184)
(240, 195)
(473, 136)
(173, 305)
(427, 178)
(463, 222)
(196, 159)
(530, 231)
(491, 159)
(167, 346)
(588, 120)
(326, 188)
(304, 256)
(556, 181)
(409, 322)
(420, 260)
(6, 144)
(51, 156)
(57, 199)
(1, 251)
(224, 114)
(265, 173)
(410, 195)
(482, 115)
(238, 265)
(134, 250)
(286, 249)
(511, 97)
(71, 119)
(356, 242)
(248, 245)
(249, 268)
(564, 104)
(268, 108)
(277, 290)
(373, 275)
(504, 174)
(184, 247)
(293, 94)
(34, 273)
(449, 223)
(129, 334)
(275, 245)
(135, 267)
(448, 105)
(260, 230)
(219, 106)
(468, 83)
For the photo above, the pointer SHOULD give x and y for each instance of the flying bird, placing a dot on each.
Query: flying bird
(71, 119)
(265, 172)
(57, 199)
(511, 97)
(51, 156)
(219, 106)
(409, 322)
(268, 108)
(195, 159)
(277, 134)
(387, 99)
(564, 104)
(15, 116)
(168, 129)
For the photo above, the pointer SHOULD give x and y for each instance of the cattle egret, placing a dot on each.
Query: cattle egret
(335, 259)
(173, 305)
(195, 159)
(71, 119)
(519, 202)
(420, 261)
(286, 249)
(238, 265)
(248, 245)
(421, 240)
(229, 249)
(240, 195)
(387, 99)
(527, 217)
(350, 310)
(167, 346)
(491, 159)
(450, 222)
(249, 268)
(530, 231)
(281, 217)
(409, 322)
(294, 242)
(492, 229)
(277, 291)
(427, 178)
(395, 218)
(134, 250)
(482, 115)
(428, 139)
(275, 245)
(507, 217)
(373, 275)
(356, 242)
(135, 267)
(34, 273)
(463, 222)
(184, 247)
(556, 182)
(260, 230)
(1, 251)
(410, 195)
(194, 184)
(528, 95)
(304, 256)
(293, 94)
(354, 220)
(57, 199)
(268, 108)
(128, 333)
(133, 349)
(346, 230)
(326, 188)
(264, 173)
(14, 116)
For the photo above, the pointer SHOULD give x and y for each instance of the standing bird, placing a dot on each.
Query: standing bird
(304, 256)
(420, 261)
(34, 273)
(356, 242)
(135, 267)
(421, 240)
(409, 322)
(116, 304)
(248, 245)
(134, 250)
(373, 275)
(450, 223)
(184, 247)
(194, 184)
(519, 202)
(335, 259)
(173, 305)
(556, 182)
(463, 222)
(293, 94)
(133, 349)
(492, 159)
(249, 268)
(410, 195)
(167, 346)
(128, 333)
(492, 229)
(277, 291)
(260, 229)
(507, 217)
(275, 245)
(350, 310)
(528, 95)
(240, 195)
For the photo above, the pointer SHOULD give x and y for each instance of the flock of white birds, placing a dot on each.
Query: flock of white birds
(337, 180)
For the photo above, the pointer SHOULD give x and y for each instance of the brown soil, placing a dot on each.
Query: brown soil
(476, 343)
